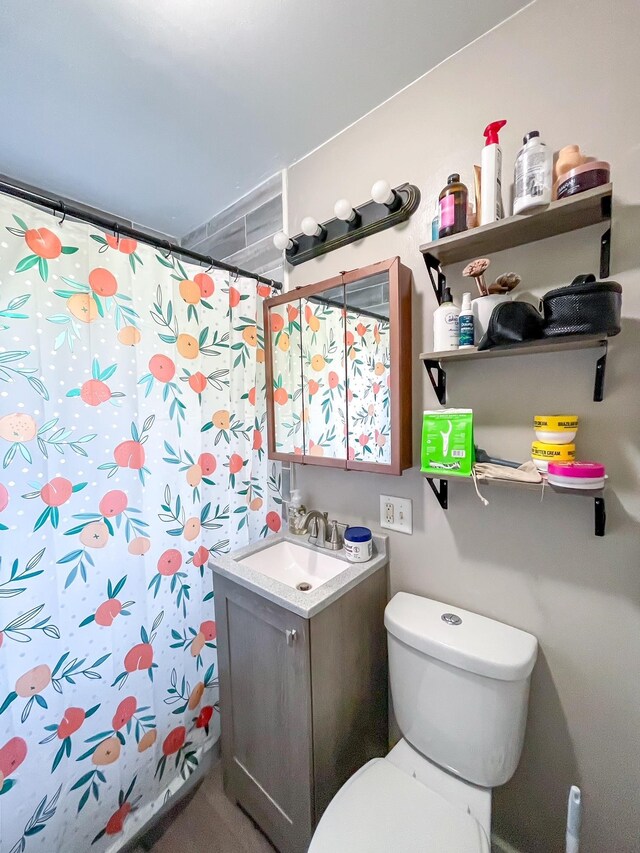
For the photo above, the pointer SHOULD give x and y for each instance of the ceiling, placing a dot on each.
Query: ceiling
(166, 111)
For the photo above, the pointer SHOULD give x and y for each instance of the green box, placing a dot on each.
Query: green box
(447, 443)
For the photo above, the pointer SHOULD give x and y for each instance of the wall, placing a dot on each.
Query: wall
(570, 71)
(242, 234)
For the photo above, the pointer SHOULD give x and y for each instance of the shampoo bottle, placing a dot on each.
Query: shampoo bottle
(445, 324)
(491, 208)
(532, 175)
(465, 322)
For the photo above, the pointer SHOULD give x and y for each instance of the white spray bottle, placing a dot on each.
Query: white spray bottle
(491, 208)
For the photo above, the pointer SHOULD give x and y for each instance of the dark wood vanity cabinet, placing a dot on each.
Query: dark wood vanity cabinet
(303, 702)
(338, 364)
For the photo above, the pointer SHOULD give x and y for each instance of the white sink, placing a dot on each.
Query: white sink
(295, 565)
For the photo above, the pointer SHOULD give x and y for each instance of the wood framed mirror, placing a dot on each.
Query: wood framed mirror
(338, 365)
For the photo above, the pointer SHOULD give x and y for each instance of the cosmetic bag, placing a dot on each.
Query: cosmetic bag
(585, 307)
(512, 323)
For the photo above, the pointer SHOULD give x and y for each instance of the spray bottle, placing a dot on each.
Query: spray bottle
(491, 208)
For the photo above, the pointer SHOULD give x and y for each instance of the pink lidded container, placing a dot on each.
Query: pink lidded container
(577, 475)
(586, 177)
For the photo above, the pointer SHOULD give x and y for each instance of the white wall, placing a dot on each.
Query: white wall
(570, 70)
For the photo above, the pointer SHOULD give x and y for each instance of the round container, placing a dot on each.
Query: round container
(543, 453)
(555, 429)
(577, 475)
(358, 544)
(582, 178)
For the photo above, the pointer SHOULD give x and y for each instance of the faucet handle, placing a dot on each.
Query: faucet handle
(335, 538)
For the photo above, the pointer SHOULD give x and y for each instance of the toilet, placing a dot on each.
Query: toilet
(460, 688)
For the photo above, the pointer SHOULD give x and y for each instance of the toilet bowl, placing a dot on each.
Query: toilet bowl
(460, 687)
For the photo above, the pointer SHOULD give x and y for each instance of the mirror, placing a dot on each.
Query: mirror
(286, 400)
(323, 374)
(368, 346)
(339, 371)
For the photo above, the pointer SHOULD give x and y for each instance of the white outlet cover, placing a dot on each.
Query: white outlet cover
(402, 514)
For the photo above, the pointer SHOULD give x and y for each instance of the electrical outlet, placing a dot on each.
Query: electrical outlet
(396, 514)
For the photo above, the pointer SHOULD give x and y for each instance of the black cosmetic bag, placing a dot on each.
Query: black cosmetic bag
(585, 307)
(512, 323)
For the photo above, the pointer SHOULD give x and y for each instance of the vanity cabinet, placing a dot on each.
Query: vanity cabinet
(303, 702)
(338, 364)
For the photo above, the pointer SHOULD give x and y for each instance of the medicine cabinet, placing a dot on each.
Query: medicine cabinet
(338, 364)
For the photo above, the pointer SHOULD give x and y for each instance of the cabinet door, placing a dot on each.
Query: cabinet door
(285, 391)
(323, 377)
(378, 367)
(265, 698)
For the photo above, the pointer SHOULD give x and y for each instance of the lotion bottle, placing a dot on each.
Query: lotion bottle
(491, 208)
(532, 175)
(445, 324)
(466, 323)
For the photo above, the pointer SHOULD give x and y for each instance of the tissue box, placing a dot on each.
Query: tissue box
(447, 443)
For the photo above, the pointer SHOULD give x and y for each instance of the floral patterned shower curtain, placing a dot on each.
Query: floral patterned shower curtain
(132, 446)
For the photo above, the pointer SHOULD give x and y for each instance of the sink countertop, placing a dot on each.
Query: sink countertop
(305, 604)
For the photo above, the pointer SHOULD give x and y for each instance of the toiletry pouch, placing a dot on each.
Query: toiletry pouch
(512, 323)
(585, 307)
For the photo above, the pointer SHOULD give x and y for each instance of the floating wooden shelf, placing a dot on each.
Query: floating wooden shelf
(441, 491)
(559, 344)
(560, 217)
(433, 361)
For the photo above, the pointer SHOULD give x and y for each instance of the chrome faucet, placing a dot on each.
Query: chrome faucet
(316, 524)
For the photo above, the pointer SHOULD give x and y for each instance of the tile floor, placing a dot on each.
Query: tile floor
(208, 823)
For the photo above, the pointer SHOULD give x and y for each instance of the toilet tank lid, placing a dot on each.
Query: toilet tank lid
(475, 643)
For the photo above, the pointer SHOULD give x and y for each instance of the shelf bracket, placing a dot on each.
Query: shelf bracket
(441, 493)
(605, 240)
(600, 516)
(438, 379)
(601, 364)
(440, 282)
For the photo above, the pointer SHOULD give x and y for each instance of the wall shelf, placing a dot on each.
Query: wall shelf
(435, 362)
(440, 488)
(560, 217)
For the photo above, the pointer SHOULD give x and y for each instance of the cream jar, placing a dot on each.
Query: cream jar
(358, 544)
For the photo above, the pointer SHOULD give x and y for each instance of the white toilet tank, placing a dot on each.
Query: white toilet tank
(460, 686)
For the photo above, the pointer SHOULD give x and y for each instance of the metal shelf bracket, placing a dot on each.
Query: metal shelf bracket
(438, 379)
(440, 282)
(605, 240)
(441, 493)
(600, 516)
(601, 364)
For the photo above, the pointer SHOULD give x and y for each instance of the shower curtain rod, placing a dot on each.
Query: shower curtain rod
(59, 206)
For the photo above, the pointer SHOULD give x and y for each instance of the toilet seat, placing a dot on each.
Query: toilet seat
(381, 809)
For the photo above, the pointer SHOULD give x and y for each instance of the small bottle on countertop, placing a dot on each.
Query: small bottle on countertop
(295, 512)
(532, 175)
(453, 207)
(465, 323)
(445, 324)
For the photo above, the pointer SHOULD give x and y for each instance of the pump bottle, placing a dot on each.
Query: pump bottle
(445, 324)
(491, 208)
(295, 512)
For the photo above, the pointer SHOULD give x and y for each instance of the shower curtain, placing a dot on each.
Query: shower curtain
(132, 447)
